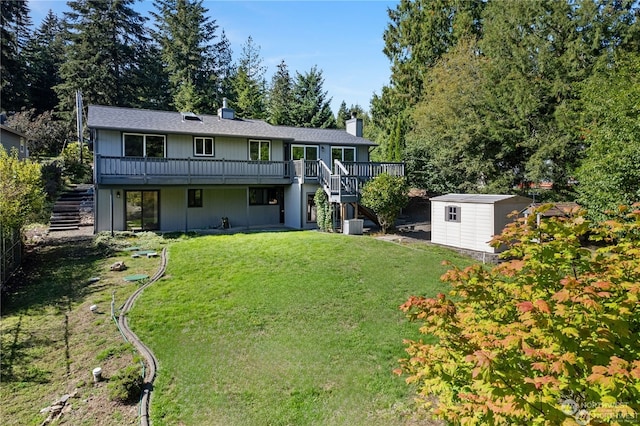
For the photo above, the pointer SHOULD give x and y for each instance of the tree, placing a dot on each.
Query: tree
(609, 175)
(311, 108)
(46, 136)
(279, 102)
(449, 128)
(249, 83)
(386, 195)
(44, 54)
(342, 116)
(186, 37)
(21, 195)
(104, 38)
(549, 336)
(14, 35)
(418, 34)
(537, 53)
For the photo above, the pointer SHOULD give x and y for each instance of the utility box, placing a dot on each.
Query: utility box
(353, 227)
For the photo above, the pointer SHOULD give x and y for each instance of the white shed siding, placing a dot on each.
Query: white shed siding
(481, 217)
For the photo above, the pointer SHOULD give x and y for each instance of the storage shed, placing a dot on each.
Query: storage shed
(469, 221)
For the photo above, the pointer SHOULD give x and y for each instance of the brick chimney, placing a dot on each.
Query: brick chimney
(354, 125)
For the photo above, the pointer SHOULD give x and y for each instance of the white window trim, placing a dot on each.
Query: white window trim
(195, 146)
(260, 141)
(144, 142)
(342, 149)
(304, 147)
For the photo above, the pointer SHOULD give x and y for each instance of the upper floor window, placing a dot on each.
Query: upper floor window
(302, 152)
(203, 147)
(343, 153)
(140, 145)
(452, 214)
(259, 150)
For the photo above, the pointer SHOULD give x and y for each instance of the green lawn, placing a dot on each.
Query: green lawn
(291, 328)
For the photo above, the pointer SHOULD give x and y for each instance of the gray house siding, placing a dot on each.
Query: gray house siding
(224, 179)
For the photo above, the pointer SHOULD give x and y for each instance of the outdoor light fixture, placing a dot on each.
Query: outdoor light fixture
(118, 194)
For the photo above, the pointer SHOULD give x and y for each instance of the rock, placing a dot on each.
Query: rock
(118, 266)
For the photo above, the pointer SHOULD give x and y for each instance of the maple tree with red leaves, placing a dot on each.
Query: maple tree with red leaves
(549, 336)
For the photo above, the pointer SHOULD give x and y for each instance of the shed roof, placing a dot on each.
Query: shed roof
(142, 120)
(479, 198)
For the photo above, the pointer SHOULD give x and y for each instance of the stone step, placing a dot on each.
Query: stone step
(63, 228)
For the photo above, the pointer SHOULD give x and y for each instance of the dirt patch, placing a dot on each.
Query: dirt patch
(52, 340)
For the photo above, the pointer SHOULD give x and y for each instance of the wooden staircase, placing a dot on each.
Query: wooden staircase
(69, 208)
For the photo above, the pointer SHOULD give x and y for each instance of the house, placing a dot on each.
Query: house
(173, 171)
(469, 221)
(12, 139)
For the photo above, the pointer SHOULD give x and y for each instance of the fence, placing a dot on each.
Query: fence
(10, 253)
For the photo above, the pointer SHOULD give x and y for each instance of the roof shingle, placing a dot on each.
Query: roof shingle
(142, 120)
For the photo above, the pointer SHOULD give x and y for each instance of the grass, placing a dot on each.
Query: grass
(51, 341)
(293, 328)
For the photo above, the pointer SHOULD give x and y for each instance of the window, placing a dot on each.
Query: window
(263, 196)
(452, 214)
(259, 150)
(343, 153)
(137, 145)
(203, 147)
(194, 197)
(311, 208)
(301, 152)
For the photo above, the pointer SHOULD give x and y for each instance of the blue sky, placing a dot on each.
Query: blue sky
(342, 38)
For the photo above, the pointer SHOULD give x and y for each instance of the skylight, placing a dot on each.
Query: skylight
(189, 116)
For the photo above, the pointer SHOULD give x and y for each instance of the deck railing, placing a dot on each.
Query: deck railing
(188, 167)
(366, 171)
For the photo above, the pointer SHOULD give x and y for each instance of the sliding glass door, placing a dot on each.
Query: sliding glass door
(142, 210)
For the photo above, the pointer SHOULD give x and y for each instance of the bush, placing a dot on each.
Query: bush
(547, 337)
(126, 385)
(386, 195)
(52, 178)
(324, 212)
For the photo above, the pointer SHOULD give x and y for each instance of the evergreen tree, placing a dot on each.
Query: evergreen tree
(44, 54)
(310, 106)
(342, 116)
(538, 52)
(186, 39)
(153, 88)
(249, 83)
(609, 175)
(224, 71)
(279, 106)
(14, 35)
(418, 34)
(104, 38)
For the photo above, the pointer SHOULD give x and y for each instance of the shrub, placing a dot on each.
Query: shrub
(323, 211)
(386, 195)
(126, 384)
(547, 337)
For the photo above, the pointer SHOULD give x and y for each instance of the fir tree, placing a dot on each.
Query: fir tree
(249, 83)
(311, 107)
(44, 54)
(186, 38)
(280, 102)
(103, 39)
(14, 35)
